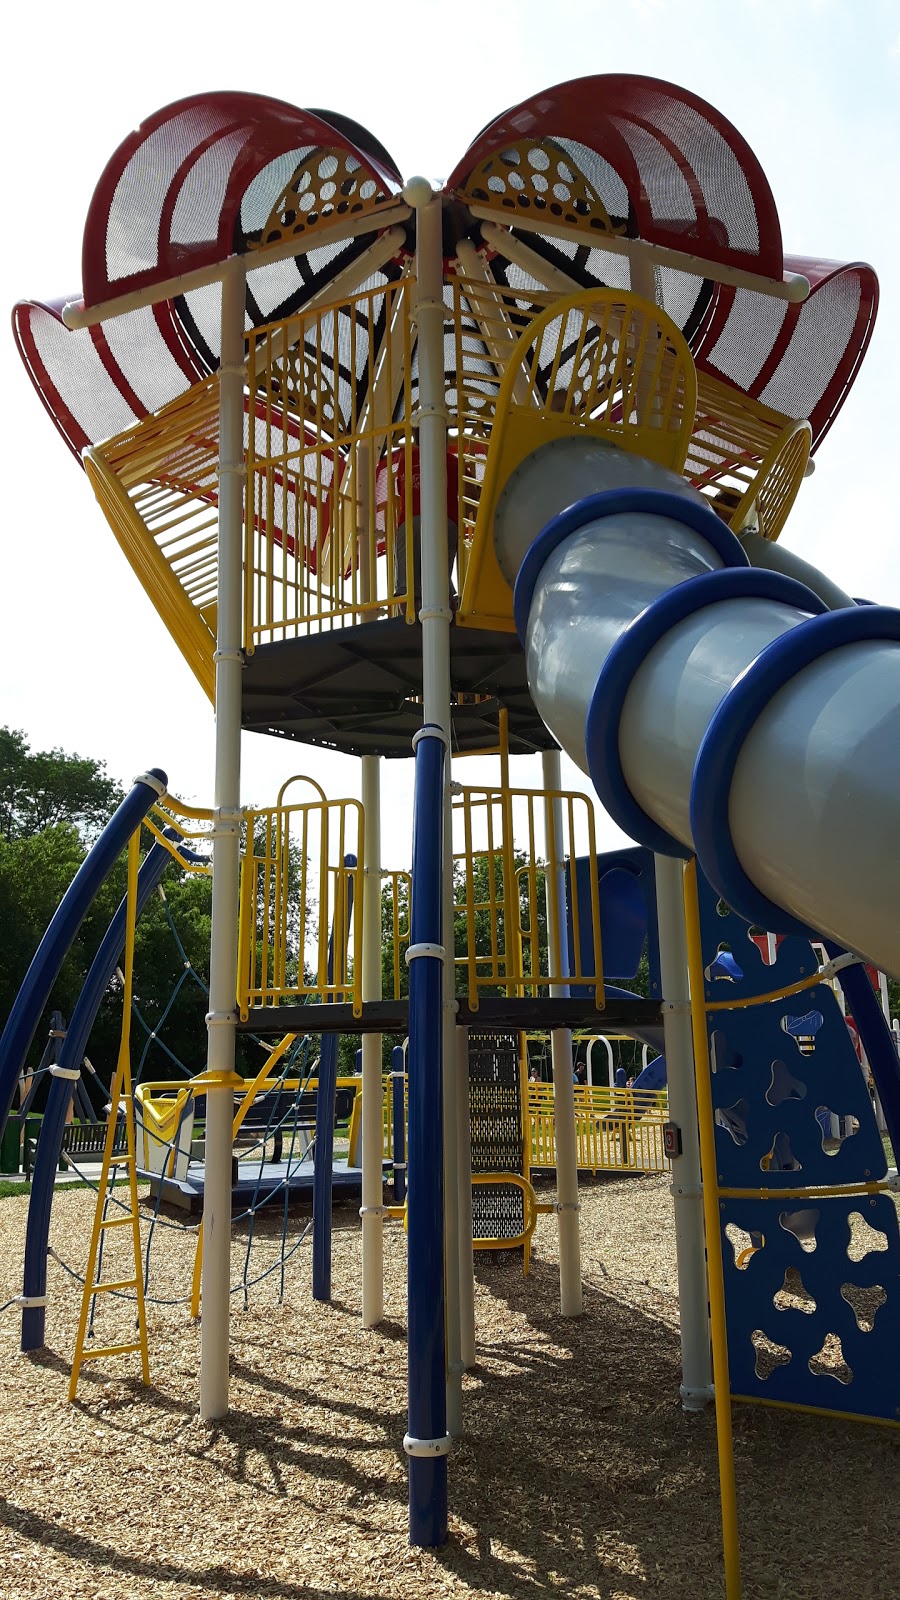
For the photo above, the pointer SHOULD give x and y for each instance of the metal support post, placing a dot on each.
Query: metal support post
(466, 1252)
(428, 1527)
(570, 1296)
(690, 1243)
(221, 1078)
(372, 1079)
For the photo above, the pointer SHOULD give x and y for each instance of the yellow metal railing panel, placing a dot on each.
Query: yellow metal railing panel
(617, 1130)
(301, 918)
(501, 846)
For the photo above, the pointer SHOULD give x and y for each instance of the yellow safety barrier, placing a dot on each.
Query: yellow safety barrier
(616, 1130)
(300, 898)
(532, 1207)
(500, 841)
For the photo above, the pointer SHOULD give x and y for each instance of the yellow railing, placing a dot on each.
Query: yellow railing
(330, 440)
(617, 1130)
(500, 841)
(301, 902)
(331, 471)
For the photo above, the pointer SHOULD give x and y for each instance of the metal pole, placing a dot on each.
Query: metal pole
(435, 616)
(690, 1242)
(372, 1208)
(466, 1252)
(567, 1203)
(428, 1524)
(221, 1078)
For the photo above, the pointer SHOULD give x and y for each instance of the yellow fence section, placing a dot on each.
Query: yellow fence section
(617, 1130)
(500, 845)
(331, 450)
(332, 468)
(301, 902)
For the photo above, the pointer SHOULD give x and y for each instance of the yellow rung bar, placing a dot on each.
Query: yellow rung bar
(111, 1350)
(112, 1288)
(119, 1222)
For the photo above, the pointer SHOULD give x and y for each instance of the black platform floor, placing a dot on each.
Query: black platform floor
(355, 689)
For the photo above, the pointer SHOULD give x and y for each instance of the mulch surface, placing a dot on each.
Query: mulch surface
(579, 1474)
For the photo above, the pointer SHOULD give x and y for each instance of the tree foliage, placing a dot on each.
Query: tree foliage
(40, 789)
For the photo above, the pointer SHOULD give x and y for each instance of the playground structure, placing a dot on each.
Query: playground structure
(505, 468)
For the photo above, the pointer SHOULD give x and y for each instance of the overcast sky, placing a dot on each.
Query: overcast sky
(813, 85)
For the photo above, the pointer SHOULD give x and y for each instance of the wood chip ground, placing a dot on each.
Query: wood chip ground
(578, 1476)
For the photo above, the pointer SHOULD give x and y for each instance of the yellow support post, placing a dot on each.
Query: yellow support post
(727, 1491)
(120, 1090)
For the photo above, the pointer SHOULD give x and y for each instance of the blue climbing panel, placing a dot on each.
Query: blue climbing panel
(812, 1284)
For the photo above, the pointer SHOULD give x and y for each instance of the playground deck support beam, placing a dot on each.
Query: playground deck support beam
(433, 1280)
(221, 1078)
(687, 1194)
(371, 1209)
(570, 1295)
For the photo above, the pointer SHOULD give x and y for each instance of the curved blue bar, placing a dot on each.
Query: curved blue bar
(627, 654)
(607, 504)
(724, 739)
(877, 1041)
(426, 1351)
(74, 1045)
(323, 1151)
(67, 919)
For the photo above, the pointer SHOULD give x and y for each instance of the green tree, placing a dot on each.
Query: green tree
(42, 788)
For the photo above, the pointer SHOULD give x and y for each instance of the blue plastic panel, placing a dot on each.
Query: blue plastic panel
(816, 1253)
(627, 914)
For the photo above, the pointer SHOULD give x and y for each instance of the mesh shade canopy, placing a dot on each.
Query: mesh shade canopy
(608, 159)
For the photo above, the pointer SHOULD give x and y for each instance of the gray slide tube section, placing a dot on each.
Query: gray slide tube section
(815, 798)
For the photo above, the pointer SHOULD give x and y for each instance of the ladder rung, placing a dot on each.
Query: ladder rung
(120, 1161)
(110, 1350)
(119, 1222)
(110, 1288)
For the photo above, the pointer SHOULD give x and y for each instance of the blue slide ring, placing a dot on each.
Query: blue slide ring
(724, 739)
(624, 659)
(608, 503)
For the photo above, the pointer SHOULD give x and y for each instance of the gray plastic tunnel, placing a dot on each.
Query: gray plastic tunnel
(750, 713)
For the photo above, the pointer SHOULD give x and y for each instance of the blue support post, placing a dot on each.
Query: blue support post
(398, 1119)
(427, 1441)
(37, 1231)
(67, 919)
(323, 1148)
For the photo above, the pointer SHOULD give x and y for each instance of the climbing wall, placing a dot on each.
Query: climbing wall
(495, 1114)
(812, 1277)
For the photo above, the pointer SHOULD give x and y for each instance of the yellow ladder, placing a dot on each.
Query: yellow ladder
(120, 1090)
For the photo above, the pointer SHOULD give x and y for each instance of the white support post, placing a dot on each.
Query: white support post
(570, 1296)
(466, 1252)
(690, 1238)
(220, 1074)
(372, 1079)
(435, 616)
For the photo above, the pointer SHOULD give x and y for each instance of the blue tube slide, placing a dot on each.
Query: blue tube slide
(59, 1099)
(323, 1149)
(721, 708)
(53, 948)
(426, 1442)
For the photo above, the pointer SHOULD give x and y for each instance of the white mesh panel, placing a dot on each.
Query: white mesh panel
(667, 188)
(145, 358)
(818, 342)
(268, 186)
(195, 217)
(80, 377)
(746, 340)
(134, 214)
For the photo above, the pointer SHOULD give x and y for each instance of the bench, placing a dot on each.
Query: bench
(81, 1141)
(280, 1110)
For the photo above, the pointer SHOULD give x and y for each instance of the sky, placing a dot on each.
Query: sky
(813, 85)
